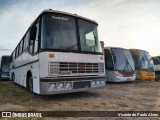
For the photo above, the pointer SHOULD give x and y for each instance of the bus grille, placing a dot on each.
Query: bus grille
(67, 68)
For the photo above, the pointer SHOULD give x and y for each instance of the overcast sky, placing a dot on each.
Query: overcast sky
(122, 23)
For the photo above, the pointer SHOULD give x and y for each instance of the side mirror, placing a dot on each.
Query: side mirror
(33, 33)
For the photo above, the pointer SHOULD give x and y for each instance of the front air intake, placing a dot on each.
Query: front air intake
(74, 68)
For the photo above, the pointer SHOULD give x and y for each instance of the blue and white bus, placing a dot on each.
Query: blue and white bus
(5, 65)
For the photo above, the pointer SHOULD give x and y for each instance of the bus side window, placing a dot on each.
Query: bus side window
(155, 61)
(26, 39)
(21, 47)
(33, 44)
(135, 59)
(108, 60)
(36, 41)
(17, 51)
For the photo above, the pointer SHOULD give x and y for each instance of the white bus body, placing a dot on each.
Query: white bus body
(156, 62)
(119, 65)
(55, 60)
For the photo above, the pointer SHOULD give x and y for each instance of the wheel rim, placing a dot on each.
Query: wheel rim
(30, 84)
(13, 78)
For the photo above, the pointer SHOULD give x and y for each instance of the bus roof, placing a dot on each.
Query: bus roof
(56, 11)
(156, 57)
(115, 48)
(65, 13)
(138, 50)
(6, 58)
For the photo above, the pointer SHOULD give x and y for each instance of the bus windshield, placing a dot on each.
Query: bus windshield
(5, 67)
(144, 59)
(59, 32)
(124, 62)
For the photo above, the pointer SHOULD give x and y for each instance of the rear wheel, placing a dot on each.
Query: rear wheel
(30, 83)
(13, 79)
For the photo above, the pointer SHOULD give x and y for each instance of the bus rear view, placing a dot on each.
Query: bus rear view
(5, 64)
(119, 65)
(64, 55)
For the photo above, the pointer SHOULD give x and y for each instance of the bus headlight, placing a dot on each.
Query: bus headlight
(98, 82)
(52, 86)
(93, 83)
(60, 86)
(102, 82)
(68, 85)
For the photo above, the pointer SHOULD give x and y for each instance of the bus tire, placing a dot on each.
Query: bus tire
(13, 78)
(30, 83)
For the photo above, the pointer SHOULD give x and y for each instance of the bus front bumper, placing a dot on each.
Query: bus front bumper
(49, 86)
(4, 77)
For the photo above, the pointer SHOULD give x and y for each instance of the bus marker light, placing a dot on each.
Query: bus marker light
(98, 82)
(101, 58)
(51, 55)
(60, 86)
(52, 86)
(93, 83)
(68, 85)
(102, 82)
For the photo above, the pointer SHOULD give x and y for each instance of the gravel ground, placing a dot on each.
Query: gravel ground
(134, 96)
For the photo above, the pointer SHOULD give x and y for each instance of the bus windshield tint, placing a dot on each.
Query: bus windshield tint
(5, 67)
(124, 61)
(143, 58)
(59, 33)
(88, 36)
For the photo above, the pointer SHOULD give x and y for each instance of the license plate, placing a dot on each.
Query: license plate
(128, 79)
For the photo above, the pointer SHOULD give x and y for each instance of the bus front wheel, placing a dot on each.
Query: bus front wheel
(30, 83)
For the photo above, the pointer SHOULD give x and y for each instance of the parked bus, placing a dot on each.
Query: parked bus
(119, 65)
(5, 63)
(156, 61)
(59, 53)
(143, 64)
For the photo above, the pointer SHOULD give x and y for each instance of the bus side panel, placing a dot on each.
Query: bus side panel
(24, 69)
(145, 75)
(17, 71)
(34, 68)
(36, 79)
(22, 65)
(20, 75)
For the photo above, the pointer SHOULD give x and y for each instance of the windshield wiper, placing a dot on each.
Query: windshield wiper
(69, 48)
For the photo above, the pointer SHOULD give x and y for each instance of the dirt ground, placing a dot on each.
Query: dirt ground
(134, 96)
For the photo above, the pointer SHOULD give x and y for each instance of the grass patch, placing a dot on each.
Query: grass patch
(14, 94)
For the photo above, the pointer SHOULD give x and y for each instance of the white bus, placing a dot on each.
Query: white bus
(119, 65)
(59, 53)
(156, 62)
